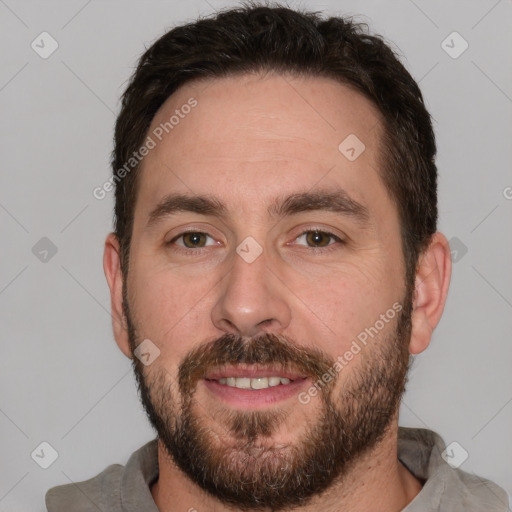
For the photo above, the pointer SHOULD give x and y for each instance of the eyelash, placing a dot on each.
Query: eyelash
(199, 251)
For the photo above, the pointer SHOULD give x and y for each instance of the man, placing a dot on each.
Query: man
(275, 262)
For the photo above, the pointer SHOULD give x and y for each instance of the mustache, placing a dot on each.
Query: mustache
(264, 349)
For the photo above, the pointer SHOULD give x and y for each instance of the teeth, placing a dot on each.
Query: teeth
(274, 381)
(255, 383)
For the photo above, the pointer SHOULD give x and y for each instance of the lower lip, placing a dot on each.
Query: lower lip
(250, 398)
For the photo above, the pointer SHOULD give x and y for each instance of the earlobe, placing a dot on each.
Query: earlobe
(114, 275)
(431, 290)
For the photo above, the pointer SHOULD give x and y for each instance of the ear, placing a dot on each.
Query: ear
(112, 269)
(431, 285)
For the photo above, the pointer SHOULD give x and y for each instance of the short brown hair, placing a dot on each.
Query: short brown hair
(255, 38)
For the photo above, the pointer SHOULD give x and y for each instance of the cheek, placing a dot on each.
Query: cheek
(334, 308)
(156, 303)
(169, 309)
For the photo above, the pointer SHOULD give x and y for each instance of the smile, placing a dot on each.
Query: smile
(254, 383)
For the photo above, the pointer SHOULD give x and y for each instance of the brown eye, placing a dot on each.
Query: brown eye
(318, 239)
(193, 239)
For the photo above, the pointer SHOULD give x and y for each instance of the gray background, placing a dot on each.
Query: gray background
(62, 378)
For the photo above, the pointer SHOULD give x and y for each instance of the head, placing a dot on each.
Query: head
(281, 219)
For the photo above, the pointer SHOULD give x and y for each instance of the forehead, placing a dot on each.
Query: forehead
(248, 138)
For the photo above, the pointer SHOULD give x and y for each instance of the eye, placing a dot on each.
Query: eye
(318, 239)
(314, 238)
(191, 240)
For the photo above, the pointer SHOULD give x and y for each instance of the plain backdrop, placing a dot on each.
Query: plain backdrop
(63, 380)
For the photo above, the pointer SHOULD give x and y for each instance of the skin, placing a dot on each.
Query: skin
(249, 140)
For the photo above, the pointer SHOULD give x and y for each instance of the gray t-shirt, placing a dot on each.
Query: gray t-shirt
(127, 488)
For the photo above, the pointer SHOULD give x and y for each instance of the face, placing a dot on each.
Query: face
(266, 266)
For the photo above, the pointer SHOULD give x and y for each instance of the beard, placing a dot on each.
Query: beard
(241, 466)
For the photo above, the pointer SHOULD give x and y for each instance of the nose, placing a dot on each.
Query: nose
(252, 299)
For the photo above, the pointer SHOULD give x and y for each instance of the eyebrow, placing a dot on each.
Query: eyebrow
(337, 201)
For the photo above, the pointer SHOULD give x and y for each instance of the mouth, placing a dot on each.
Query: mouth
(252, 386)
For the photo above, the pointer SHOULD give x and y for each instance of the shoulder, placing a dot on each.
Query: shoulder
(88, 495)
(446, 486)
(111, 489)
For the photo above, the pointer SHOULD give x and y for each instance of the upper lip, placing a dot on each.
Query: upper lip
(252, 372)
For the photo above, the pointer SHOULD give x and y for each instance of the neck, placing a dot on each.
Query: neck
(377, 477)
